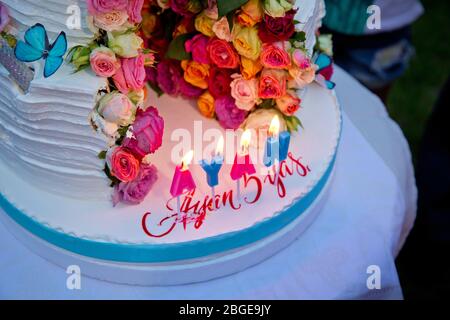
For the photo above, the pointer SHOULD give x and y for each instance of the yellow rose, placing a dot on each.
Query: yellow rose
(206, 105)
(247, 42)
(148, 24)
(251, 13)
(204, 24)
(250, 68)
(196, 73)
(277, 8)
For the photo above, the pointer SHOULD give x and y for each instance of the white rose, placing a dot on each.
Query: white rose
(125, 45)
(116, 108)
(259, 122)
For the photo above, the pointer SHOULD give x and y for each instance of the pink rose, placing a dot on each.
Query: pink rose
(189, 91)
(275, 56)
(197, 46)
(300, 78)
(122, 164)
(170, 79)
(147, 131)
(111, 21)
(186, 8)
(289, 103)
(222, 54)
(229, 115)
(222, 29)
(245, 92)
(219, 82)
(103, 6)
(300, 59)
(134, 192)
(104, 62)
(131, 75)
(272, 84)
(116, 108)
(4, 17)
(168, 76)
(212, 11)
(134, 10)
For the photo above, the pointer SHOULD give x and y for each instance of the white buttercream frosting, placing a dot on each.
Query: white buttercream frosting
(46, 136)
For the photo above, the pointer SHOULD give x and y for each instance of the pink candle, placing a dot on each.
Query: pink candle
(242, 165)
(242, 162)
(182, 179)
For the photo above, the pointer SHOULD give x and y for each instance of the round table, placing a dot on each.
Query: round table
(349, 248)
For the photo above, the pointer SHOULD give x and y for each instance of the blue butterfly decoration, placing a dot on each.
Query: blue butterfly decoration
(37, 46)
(323, 61)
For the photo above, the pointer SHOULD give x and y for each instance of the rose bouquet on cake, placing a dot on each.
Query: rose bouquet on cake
(133, 130)
(243, 61)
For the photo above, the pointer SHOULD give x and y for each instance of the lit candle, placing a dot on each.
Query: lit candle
(277, 146)
(213, 167)
(242, 162)
(182, 179)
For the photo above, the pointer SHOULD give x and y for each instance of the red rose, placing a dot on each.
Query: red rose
(277, 29)
(122, 164)
(219, 82)
(222, 54)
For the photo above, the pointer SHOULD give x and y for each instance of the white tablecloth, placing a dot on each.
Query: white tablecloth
(370, 211)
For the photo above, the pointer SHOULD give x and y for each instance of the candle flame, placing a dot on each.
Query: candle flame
(246, 139)
(186, 161)
(274, 128)
(219, 147)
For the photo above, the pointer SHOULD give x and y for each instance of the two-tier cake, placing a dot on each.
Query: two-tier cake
(62, 143)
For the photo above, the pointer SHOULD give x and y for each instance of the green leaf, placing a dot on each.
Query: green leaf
(299, 36)
(156, 88)
(293, 123)
(177, 50)
(267, 104)
(113, 179)
(122, 133)
(227, 6)
(102, 155)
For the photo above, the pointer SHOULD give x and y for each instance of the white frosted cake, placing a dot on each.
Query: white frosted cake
(56, 197)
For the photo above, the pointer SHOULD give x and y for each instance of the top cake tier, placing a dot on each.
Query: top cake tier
(56, 16)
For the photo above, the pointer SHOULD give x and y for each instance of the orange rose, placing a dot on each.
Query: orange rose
(206, 105)
(251, 13)
(196, 73)
(250, 68)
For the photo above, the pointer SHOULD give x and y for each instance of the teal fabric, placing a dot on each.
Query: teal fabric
(347, 16)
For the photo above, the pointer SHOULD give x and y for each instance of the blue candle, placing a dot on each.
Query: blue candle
(277, 144)
(272, 151)
(284, 141)
(212, 170)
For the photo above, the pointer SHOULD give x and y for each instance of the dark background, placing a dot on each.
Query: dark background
(423, 268)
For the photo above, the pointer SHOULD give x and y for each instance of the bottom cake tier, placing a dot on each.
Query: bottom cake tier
(148, 244)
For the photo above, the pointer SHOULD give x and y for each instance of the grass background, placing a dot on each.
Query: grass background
(412, 98)
(422, 270)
